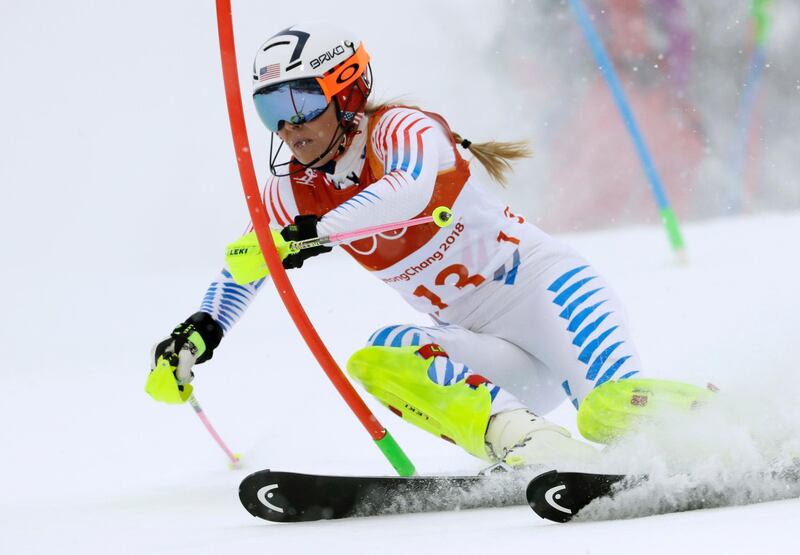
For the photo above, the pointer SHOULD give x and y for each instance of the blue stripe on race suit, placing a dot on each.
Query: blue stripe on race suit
(233, 300)
(568, 391)
(567, 312)
(582, 315)
(236, 286)
(398, 339)
(224, 322)
(557, 284)
(398, 336)
(568, 292)
(364, 197)
(341, 207)
(612, 370)
(406, 159)
(365, 193)
(394, 158)
(226, 301)
(432, 372)
(589, 350)
(435, 371)
(564, 290)
(232, 308)
(215, 289)
(600, 360)
(417, 167)
(231, 293)
(383, 335)
(495, 390)
(356, 199)
(442, 371)
(512, 273)
(449, 372)
(588, 330)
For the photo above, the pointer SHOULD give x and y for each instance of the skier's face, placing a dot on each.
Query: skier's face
(309, 140)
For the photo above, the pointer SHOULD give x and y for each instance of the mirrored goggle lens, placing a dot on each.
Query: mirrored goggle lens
(294, 102)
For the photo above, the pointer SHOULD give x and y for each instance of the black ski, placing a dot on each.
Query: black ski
(558, 496)
(291, 497)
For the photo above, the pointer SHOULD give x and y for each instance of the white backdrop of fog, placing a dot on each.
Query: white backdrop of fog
(115, 137)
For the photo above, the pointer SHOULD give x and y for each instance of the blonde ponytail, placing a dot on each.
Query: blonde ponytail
(496, 156)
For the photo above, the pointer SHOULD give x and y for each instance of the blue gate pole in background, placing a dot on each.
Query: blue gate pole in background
(607, 67)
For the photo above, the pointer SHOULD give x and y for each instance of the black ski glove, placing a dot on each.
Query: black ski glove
(304, 227)
(193, 341)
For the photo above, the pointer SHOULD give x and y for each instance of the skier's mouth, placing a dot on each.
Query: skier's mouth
(302, 143)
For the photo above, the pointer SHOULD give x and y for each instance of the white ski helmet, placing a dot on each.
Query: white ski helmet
(313, 60)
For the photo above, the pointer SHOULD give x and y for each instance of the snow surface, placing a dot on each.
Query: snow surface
(92, 465)
(119, 194)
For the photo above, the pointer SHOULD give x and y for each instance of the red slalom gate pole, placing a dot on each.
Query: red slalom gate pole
(260, 219)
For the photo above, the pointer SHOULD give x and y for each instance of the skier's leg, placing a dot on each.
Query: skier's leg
(502, 362)
(412, 375)
(570, 319)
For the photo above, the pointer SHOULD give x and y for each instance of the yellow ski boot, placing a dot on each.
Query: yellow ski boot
(618, 407)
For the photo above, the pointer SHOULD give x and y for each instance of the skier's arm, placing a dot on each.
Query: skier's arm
(193, 341)
(414, 149)
(225, 300)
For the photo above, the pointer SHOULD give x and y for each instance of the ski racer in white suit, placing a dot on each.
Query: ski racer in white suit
(519, 320)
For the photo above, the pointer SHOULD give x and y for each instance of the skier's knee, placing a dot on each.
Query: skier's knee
(453, 408)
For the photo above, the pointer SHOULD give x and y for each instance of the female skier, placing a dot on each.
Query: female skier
(519, 319)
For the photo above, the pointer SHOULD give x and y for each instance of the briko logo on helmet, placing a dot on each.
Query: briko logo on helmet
(327, 56)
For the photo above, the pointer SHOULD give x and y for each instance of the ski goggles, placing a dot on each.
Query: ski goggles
(295, 102)
(304, 100)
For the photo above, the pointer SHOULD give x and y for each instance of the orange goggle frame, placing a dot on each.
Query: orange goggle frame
(346, 73)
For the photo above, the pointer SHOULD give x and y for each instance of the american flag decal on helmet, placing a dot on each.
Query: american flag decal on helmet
(269, 72)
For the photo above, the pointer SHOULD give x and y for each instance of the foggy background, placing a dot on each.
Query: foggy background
(116, 151)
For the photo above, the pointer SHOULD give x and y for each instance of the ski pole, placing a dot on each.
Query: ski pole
(233, 458)
(441, 216)
(245, 260)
